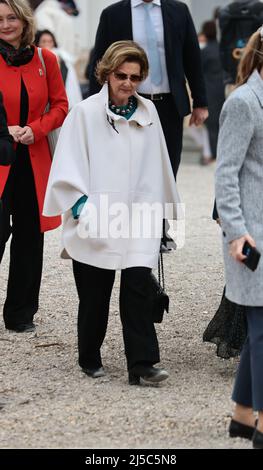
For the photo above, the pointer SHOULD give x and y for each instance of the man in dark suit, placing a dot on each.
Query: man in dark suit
(213, 74)
(178, 58)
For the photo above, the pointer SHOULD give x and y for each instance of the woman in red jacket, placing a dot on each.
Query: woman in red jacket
(27, 88)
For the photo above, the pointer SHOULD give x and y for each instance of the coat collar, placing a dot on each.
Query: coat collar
(141, 116)
(255, 82)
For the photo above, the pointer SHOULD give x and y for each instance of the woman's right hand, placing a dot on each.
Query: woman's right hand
(16, 132)
(236, 247)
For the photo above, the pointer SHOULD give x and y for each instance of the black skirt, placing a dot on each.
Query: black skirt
(227, 329)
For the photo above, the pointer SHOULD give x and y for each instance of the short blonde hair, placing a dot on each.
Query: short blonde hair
(118, 53)
(23, 11)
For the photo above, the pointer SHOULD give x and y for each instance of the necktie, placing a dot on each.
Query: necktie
(152, 45)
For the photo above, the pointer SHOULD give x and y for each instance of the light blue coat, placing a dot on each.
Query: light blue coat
(239, 186)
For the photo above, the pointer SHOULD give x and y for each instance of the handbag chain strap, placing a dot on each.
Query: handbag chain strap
(161, 271)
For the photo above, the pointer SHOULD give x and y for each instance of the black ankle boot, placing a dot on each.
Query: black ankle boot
(22, 327)
(134, 379)
(257, 440)
(237, 429)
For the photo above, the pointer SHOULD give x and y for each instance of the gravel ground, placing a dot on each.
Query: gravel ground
(47, 402)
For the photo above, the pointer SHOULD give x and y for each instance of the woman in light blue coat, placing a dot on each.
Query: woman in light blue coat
(239, 184)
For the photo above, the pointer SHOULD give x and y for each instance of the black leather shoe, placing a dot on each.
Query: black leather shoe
(147, 373)
(94, 373)
(23, 327)
(257, 440)
(237, 429)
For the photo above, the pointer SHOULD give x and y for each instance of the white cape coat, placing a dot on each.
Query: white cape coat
(126, 161)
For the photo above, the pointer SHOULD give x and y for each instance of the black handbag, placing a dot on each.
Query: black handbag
(159, 298)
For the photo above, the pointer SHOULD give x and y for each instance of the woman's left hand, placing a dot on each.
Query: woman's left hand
(236, 247)
(27, 138)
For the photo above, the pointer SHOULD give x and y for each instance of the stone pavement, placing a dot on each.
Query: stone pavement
(47, 402)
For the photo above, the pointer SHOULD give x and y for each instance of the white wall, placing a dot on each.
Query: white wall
(87, 22)
(202, 10)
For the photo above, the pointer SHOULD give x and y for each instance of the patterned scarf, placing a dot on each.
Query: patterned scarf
(16, 57)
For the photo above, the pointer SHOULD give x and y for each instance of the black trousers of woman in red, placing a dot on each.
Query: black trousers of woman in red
(20, 219)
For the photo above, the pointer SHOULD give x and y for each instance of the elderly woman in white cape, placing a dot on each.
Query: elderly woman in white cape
(111, 169)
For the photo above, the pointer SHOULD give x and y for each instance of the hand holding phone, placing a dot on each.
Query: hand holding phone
(252, 256)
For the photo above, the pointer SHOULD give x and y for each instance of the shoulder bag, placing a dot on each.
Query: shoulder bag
(158, 296)
(54, 134)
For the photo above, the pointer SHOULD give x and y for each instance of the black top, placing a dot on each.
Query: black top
(22, 152)
(23, 105)
(7, 152)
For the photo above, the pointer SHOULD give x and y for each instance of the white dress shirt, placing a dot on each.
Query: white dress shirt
(139, 36)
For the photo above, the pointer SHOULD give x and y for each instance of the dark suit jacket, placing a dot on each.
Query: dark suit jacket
(7, 153)
(181, 49)
(213, 74)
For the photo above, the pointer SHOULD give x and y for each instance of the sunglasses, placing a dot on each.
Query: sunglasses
(123, 76)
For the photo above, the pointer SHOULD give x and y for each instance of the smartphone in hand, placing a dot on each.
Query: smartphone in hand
(252, 256)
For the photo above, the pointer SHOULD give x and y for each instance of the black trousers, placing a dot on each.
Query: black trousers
(213, 131)
(94, 286)
(248, 388)
(26, 251)
(172, 124)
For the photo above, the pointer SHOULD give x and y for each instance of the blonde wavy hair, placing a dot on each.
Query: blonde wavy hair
(24, 13)
(252, 58)
(118, 53)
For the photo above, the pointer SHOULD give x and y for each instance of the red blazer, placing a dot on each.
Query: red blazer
(41, 88)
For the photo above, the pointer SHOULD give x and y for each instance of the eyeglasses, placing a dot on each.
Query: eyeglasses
(123, 76)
